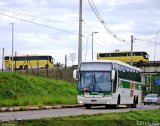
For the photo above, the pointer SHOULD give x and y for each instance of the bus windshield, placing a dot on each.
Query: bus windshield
(6, 58)
(50, 59)
(145, 55)
(95, 81)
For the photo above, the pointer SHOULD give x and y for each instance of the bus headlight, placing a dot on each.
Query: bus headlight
(107, 102)
(80, 102)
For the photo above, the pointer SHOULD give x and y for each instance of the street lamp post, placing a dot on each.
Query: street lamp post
(92, 42)
(12, 43)
(131, 62)
(155, 46)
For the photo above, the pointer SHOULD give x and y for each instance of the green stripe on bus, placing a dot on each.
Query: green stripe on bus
(108, 93)
(79, 92)
(139, 86)
(129, 85)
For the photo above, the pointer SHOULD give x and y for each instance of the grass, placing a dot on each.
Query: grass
(22, 90)
(131, 118)
(52, 73)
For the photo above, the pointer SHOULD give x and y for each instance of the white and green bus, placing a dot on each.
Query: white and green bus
(109, 83)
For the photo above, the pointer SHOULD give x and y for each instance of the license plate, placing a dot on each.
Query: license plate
(93, 100)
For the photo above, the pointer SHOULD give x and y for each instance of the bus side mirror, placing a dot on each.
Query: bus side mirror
(113, 74)
(75, 74)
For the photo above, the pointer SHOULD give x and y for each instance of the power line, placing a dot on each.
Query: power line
(100, 45)
(39, 17)
(39, 24)
(96, 42)
(4, 10)
(146, 41)
(94, 9)
(90, 29)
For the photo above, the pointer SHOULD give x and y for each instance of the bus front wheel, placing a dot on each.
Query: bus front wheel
(20, 67)
(118, 101)
(46, 66)
(140, 62)
(88, 106)
(25, 67)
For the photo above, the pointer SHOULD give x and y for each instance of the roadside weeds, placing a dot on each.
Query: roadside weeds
(32, 108)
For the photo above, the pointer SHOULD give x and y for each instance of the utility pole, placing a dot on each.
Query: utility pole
(12, 42)
(131, 61)
(80, 34)
(15, 61)
(155, 47)
(65, 67)
(2, 58)
(150, 83)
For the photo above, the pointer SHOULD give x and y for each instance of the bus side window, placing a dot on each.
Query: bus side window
(102, 55)
(138, 53)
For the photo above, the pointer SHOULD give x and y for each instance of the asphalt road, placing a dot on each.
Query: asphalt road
(25, 115)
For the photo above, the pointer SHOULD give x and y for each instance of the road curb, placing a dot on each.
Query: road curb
(32, 108)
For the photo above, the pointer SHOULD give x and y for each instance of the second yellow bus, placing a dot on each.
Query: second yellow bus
(124, 56)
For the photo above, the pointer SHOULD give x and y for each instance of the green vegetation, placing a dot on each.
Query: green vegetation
(56, 73)
(131, 118)
(22, 90)
(151, 79)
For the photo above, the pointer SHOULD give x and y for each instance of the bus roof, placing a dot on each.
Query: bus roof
(121, 52)
(112, 61)
(29, 55)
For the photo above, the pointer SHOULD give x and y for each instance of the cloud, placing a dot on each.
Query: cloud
(2, 3)
(140, 18)
(43, 2)
(34, 38)
(122, 27)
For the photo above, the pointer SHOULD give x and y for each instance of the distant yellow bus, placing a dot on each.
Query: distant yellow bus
(124, 56)
(29, 61)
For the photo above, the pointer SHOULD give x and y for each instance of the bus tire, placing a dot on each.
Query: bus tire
(46, 66)
(118, 103)
(140, 62)
(88, 106)
(118, 100)
(25, 67)
(21, 67)
(107, 106)
(134, 105)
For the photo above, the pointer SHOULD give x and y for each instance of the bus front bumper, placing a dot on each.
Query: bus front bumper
(96, 100)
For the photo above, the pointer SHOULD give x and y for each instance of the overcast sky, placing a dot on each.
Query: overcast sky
(140, 18)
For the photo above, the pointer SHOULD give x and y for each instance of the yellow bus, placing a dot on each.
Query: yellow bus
(124, 56)
(29, 61)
